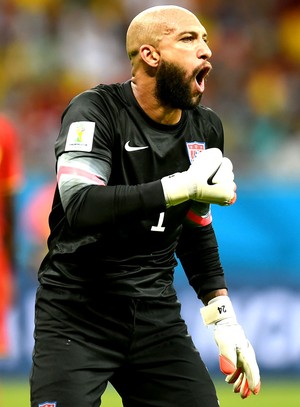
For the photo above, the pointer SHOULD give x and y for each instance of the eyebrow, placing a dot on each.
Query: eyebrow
(194, 33)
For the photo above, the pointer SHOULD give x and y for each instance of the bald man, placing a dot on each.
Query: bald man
(139, 165)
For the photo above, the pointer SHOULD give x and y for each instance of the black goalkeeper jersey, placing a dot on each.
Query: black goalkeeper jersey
(132, 255)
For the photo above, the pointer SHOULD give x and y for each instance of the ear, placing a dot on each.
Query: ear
(150, 55)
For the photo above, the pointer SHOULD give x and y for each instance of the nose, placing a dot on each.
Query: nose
(204, 51)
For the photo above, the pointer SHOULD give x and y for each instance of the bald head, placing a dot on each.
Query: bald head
(152, 24)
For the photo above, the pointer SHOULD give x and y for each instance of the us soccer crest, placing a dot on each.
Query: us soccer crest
(194, 148)
(47, 404)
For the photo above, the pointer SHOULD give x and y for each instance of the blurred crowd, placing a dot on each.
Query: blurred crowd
(52, 49)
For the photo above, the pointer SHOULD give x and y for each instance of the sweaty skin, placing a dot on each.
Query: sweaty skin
(147, 28)
(172, 35)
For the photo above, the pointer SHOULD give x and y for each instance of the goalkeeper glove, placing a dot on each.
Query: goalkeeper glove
(236, 355)
(209, 179)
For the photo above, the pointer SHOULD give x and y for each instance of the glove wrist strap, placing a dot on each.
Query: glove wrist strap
(218, 309)
(175, 188)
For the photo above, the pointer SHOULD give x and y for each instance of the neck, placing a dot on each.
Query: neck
(145, 97)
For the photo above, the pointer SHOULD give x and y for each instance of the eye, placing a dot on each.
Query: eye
(189, 38)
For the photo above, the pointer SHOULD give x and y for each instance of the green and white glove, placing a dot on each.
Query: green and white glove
(236, 355)
(209, 179)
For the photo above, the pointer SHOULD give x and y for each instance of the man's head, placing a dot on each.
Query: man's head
(168, 44)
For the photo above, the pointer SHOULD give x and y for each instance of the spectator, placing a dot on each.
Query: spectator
(10, 180)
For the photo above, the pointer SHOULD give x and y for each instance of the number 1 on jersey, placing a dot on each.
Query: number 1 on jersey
(159, 227)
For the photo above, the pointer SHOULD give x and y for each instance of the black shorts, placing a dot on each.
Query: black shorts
(141, 347)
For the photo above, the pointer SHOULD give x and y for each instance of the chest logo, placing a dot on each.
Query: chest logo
(134, 148)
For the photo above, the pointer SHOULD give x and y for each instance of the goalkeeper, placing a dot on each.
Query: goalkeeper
(139, 164)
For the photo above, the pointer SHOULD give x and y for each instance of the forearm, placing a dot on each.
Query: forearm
(95, 205)
(212, 294)
(199, 256)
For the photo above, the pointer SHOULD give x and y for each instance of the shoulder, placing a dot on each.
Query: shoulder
(209, 119)
(108, 94)
(99, 103)
(208, 114)
(208, 124)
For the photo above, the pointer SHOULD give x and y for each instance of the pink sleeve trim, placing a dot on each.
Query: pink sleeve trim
(64, 170)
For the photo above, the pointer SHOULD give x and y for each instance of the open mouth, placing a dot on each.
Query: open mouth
(201, 76)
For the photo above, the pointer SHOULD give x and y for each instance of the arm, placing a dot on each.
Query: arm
(89, 202)
(198, 252)
(213, 294)
(81, 180)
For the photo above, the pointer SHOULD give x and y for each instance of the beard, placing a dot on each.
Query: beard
(172, 88)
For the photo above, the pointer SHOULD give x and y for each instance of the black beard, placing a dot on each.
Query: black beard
(171, 88)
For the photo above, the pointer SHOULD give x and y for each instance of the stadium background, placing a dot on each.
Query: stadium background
(51, 49)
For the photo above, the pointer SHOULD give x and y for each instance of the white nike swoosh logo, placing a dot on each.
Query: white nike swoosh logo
(129, 148)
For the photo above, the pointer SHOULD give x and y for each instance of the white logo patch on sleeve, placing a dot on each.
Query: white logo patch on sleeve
(80, 136)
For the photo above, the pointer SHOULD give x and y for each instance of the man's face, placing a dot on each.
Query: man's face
(174, 87)
(184, 65)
